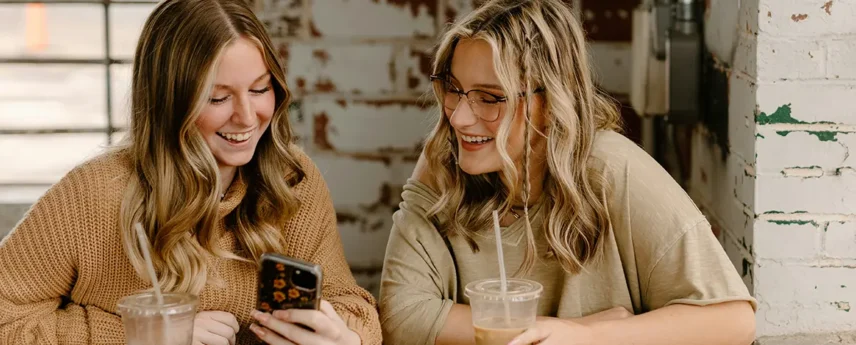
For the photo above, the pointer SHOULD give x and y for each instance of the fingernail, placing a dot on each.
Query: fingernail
(257, 330)
(281, 314)
(262, 317)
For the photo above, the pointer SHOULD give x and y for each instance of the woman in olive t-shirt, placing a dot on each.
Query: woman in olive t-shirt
(623, 254)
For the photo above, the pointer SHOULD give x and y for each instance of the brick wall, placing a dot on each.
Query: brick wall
(359, 69)
(782, 192)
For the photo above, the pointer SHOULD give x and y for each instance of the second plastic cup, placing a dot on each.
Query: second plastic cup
(498, 318)
(147, 322)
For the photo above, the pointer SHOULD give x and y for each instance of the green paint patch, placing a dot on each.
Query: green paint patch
(774, 212)
(843, 306)
(783, 115)
(843, 286)
(759, 135)
(825, 135)
(792, 222)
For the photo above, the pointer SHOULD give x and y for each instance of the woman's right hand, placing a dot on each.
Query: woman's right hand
(214, 328)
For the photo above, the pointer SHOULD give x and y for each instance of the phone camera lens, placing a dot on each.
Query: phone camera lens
(304, 281)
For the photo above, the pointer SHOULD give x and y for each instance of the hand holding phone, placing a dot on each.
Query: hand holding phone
(287, 283)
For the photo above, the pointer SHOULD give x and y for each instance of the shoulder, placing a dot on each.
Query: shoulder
(312, 179)
(99, 177)
(615, 152)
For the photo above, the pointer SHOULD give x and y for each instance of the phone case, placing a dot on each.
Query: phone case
(287, 283)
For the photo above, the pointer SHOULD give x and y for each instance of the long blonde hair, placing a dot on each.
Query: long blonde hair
(173, 190)
(536, 44)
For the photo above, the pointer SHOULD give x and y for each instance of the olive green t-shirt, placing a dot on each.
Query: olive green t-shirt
(660, 251)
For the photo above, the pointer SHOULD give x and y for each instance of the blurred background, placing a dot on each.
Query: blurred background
(750, 109)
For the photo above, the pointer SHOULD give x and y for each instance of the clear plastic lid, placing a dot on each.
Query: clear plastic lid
(519, 290)
(145, 304)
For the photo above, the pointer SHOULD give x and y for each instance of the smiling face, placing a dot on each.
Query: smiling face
(476, 119)
(240, 106)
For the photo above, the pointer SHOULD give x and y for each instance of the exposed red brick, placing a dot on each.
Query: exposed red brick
(401, 102)
(283, 52)
(412, 82)
(415, 5)
(313, 30)
(301, 85)
(827, 7)
(425, 61)
(325, 86)
(341, 102)
(376, 157)
(322, 55)
(320, 123)
(345, 217)
(799, 17)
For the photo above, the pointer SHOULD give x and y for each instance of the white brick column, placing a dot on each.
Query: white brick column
(784, 196)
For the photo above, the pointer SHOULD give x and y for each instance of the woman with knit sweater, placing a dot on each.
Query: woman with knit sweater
(209, 169)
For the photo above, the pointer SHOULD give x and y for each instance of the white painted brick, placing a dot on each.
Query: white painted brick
(806, 17)
(824, 101)
(797, 317)
(373, 18)
(741, 119)
(402, 171)
(457, 9)
(841, 55)
(832, 194)
(341, 68)
(778, 151)
(352, 182)
(612, 63)
(412, 69)
(780, 283)
(366, 127)
(797, 299)
(841, 241)
(779, 241)
(365, 240)
(790, 59)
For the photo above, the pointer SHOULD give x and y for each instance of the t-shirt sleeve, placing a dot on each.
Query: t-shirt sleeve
(669, 252)
(693, 270)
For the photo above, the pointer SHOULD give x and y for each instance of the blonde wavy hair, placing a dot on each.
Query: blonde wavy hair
(173, 190)
(536, 44)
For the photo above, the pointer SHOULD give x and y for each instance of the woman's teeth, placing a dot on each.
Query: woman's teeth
(236, 137)
(476, 140)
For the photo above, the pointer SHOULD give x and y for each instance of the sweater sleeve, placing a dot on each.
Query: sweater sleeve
(37, 272)
(317, 218)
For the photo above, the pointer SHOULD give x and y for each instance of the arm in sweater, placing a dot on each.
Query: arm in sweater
(37, 272)
(355, 305)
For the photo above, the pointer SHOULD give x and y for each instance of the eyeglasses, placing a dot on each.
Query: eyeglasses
(485, 105)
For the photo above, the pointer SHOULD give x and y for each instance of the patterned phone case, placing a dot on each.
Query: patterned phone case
(287, 283)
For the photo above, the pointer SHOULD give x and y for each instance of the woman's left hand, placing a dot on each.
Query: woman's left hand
(282, 328)
(555, 331)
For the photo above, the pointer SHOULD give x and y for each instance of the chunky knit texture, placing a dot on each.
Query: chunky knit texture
(63, 269)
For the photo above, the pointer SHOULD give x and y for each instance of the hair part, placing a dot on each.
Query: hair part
(174, 186)
(535, 44)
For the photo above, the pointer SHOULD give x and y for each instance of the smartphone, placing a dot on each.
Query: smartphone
(288, 283)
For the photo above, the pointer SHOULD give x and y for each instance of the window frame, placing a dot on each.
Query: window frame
(107, 62)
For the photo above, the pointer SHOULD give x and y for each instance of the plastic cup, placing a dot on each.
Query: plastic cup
(498, 317)
(147, 322)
